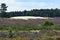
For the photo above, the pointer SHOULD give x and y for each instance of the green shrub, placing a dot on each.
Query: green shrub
(10, 32)
(48, 23)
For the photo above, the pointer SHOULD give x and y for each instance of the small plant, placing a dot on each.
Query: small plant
(48, 23)
(10, 32)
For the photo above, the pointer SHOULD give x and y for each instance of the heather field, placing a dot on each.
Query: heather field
(31, 29)
(30, 24)
(29, 20)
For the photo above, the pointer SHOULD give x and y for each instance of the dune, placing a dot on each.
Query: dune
(28, 17)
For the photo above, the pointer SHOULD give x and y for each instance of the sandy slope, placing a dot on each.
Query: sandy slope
(28, 17)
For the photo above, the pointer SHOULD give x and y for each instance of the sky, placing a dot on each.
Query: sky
(20, 5)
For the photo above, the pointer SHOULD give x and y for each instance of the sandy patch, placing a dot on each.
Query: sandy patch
(28, 17)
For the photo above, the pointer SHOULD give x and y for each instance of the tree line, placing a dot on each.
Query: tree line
(34, 12)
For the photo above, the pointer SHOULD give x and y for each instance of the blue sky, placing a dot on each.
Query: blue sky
(37, 0)
(20, 5)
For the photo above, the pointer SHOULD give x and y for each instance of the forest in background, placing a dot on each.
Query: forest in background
(34, 12)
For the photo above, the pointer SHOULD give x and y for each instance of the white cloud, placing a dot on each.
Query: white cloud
(16, 6)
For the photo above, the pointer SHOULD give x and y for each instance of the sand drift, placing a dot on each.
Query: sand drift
(28, 17)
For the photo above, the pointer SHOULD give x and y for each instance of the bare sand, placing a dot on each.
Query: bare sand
(28, 17)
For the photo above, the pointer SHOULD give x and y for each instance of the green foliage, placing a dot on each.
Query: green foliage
(3, 11)
(48, 23)
(30, 27)
(37, 12)
(3, 7)
(10, 32)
